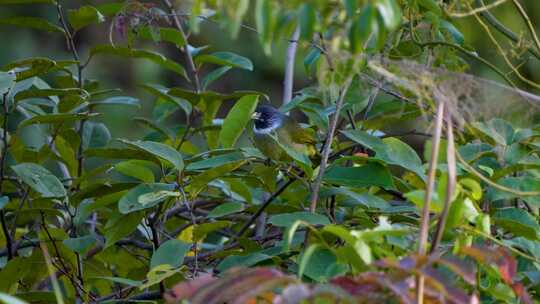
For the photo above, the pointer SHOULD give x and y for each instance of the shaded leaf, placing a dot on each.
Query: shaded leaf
(32, 22)
(142, 54)
(160, 150)
(171, 253)
(225, 209)
(371, 174)
(226, 59)
(288, 219)
(40, 179)
(130, 201)
(83, 16)
(81, 244)
(517, 221)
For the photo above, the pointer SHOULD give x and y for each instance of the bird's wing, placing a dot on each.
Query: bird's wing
(298, 134)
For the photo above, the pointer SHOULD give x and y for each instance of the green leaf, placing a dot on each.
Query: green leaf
(311, 59)
(240, 9)
(140, 54)
(264, 23)
(371, 174)
(130, 202)
(158, 274)
(390, 13)
(522, 183)
(162, 92)
(56, 119)
(237, 120)
(225, 209)
(242, 260)
(119, 101)
(417, 197)
(201, 231)
(137, 169)
(7, 80)
(116, 153)
(215, 161)
(362, 28)
(153, 198)
(165, 33)
(350, 6)
(456, 34)
(32, 93)
(83, 16)
(307, 19)
(4, 200)
(6, 298)
(498, 130)
(2, 2)
(31, 67)
(201, 181)
(32, 22)
(159, 150)
(40, 179)
(120, 226)
(319, 264)
(227, 59)
(431, 6)
(389, 150)
(287, 219)
(518, 222)
(214, 75)
(81, 244)
(123, 281)
(155, 126)
(172, 253)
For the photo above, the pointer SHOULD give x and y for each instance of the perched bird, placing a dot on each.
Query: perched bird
(272, 130)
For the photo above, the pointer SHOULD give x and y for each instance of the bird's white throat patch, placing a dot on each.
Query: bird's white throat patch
(268, 130)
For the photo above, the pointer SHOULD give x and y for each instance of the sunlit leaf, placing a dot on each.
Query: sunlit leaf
(237, 119)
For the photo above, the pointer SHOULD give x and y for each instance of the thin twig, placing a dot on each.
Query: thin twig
(3, 155)
(527, 20)
(481, 9)
(501, 51)
(263, 206)
(327, 148)
(80, 67)
(488, 16)
(451, 184)
(52, 274)
(424, 226)
(191, 69)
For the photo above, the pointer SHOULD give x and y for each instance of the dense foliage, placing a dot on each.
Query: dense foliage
(183, 207)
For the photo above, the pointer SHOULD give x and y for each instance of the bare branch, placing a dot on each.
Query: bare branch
(191, 69)
(289, 66)
(424, 225)
(327, 148)
(451, 184)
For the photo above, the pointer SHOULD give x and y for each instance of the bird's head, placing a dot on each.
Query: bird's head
(267, 119)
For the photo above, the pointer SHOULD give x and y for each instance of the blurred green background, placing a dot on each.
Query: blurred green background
(17, 43)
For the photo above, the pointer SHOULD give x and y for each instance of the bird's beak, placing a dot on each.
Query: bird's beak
(256, 115)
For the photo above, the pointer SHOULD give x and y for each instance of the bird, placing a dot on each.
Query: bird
(273, 129)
